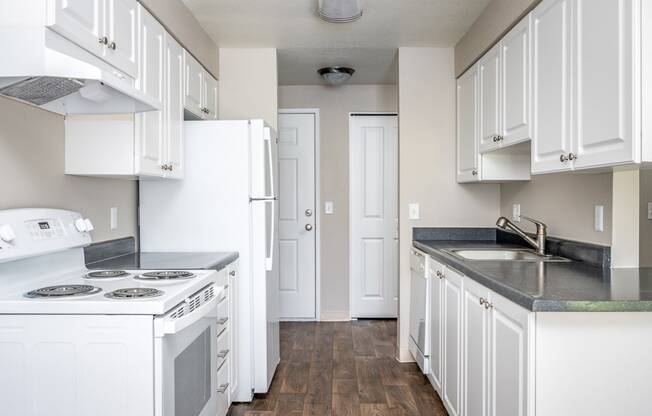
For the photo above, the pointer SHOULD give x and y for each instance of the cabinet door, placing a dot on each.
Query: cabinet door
(603, 75)
(210, 97)
(489, 75)
(474, 354)
(174, 107)
(150, 125)
(122, 33)
(233, 318)
(515, 84)
(81, 21)
(468, 159)
(435, 271)
(194, 83)
(551, 91)
(508, 358)
(453, 341)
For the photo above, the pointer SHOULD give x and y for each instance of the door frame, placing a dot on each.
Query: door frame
(315, 113)
(372, 114)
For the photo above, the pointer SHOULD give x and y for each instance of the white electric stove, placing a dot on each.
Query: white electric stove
(76, 342)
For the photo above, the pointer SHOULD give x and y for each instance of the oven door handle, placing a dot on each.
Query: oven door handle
(170, 326)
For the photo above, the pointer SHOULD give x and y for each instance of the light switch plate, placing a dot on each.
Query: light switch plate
(516, 212)
(328, 207)
(599, 218)
(413, 211)
(649, 210)
(114, 218)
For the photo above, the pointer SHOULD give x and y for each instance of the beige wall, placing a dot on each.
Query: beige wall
(427, 161)
(248, 84)
(32, 166)
(179, 21)
(565, 202)
(495, 20)
(334, 105)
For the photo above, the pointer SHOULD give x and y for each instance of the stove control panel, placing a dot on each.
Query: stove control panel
(37, 231)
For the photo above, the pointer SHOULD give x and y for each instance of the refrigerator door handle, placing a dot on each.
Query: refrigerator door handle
(269, 261)
(268, 142)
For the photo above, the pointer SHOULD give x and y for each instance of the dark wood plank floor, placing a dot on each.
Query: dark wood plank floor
(343, 369)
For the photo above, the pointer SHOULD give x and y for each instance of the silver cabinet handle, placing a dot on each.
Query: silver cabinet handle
(232, 273)
(416, 253)
(222, 388)
(308, 227)
(222, 321)
(488, 305)
(104, 40)
(222, 353)
(482, 301)
(563, 158)
(308, 212)
(572, 156)
(112, 45)
(474, 172)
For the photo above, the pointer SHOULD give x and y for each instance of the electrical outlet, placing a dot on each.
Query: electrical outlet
(649, 210)
(114, 218)
(413, 211)
(516, 212)
(328, 207)
(599, 218)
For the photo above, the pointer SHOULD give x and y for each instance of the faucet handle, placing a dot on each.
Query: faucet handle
(539, 224)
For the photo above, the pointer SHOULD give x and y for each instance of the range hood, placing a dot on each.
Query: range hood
(48, 71)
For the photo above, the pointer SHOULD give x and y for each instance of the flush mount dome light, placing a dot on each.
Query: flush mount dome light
(336, 75)
(340, 11)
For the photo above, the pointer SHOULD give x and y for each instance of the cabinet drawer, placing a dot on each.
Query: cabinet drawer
(223, 346)
(223, 390)
(417, 261)
(222, 315)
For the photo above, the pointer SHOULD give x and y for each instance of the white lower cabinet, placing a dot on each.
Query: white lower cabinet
(480, 354)
(226, 338)
(452, 380)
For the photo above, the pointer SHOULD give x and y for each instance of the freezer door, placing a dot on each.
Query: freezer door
(263, 160)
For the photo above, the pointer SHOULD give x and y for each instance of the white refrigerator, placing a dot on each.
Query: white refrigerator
(227, 202)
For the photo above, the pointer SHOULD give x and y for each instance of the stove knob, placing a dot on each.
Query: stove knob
(80, 224)
(89, 225)
(7, 233)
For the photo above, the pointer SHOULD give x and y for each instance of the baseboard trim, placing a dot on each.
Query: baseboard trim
(404, 356)
(335, 316)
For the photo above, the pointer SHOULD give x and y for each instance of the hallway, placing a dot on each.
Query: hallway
(343, 368)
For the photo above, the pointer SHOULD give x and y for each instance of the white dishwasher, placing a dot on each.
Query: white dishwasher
(419, 344)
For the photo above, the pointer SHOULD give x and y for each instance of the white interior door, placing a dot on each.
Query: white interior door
(374, 215)
(297, 242)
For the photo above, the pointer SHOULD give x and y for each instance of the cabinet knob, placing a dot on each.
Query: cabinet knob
(495, 139)
(572, 156)
(222, 388)
(563, 158)
(232, 273)
(104, 40)
(482, 301)
(488, 305)
(112, 45)
(500, 138)
(474, 172)
(308, 227)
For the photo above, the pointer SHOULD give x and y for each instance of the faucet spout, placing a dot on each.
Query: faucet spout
(539, 244)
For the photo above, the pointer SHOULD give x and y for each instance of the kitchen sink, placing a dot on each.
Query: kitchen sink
(502, 254)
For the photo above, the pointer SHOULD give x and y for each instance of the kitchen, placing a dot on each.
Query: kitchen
(494, 109)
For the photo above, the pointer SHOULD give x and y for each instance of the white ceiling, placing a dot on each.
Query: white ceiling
(306, 43)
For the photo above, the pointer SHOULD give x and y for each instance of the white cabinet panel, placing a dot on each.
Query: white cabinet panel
(435, 270)
(210, 97)
(81, 21)
(515, 84)
(120, 28)
(604, 82)
(467, 127)
(475, 351)
(551, 93)
(453, 292)
(194, 83)
(174, 106)
(489, 76)
(508, 358)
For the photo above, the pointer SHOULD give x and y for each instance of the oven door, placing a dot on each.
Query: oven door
(185, 357)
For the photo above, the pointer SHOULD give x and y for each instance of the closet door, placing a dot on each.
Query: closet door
(604, 84)
(551, 92)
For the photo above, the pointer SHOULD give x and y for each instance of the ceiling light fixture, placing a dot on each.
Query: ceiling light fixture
(336, 75)
(340, 11)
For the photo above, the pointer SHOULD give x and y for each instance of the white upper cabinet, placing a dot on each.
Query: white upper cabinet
(515, 85)
(120, 27)
(489, 74)
(551, 92)
(210, 97)
(106, 28)
(200, 99)
(604, 82)
(174, 107)
(468, 158)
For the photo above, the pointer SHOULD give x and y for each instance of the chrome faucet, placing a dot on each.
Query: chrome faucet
(542, 231)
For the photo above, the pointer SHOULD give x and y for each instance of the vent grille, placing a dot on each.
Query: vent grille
(42, 90)
(192, 303)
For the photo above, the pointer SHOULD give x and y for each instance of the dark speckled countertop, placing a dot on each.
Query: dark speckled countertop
(550, 287)
(166, 261)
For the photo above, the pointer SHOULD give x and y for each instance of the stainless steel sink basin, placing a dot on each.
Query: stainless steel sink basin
(502, 254)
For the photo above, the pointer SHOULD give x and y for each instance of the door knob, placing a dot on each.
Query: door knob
(308, 213)
(308, 227)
